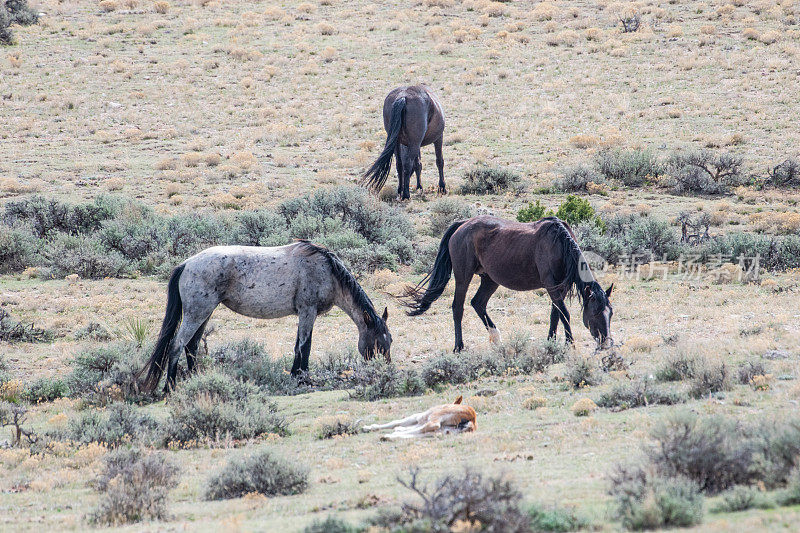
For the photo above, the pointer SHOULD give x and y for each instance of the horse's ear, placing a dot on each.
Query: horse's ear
(367, 319)
(458, 400)
(385, 316)
(609, 289)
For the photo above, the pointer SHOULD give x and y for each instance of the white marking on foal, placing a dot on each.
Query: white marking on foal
(494, 336)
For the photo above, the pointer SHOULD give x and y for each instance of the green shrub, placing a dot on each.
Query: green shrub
(118, 424)
(633, 168)
(134, 486)
(210, 407)
(49, 217)
(45, 390)
(331, 525)
(446, 211)
(260, 473)
(490, 180)
(18, 249)
(791, 496)
(14, 12)
(554, 519)
(533, 212)
(576, 178)
(469, 499)
(749, 370)
(742, 498)
(648, 236)
(644, 500)
(638, 394)
(705, 172)
(103, 373)
(84, 256)
(261, 228)
(576, 210)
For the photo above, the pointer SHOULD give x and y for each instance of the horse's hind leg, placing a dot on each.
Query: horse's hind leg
(554, 317)
(458, 309)
(437, 146)
(479, 301)
(418, 170)
(563, 313)
(398, 161)
(302, 346)
(409, 158)
(194, 319)
(191, 348)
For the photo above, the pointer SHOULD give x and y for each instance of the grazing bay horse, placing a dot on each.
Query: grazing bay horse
(300, 279)
(412, 118)
(521, 257)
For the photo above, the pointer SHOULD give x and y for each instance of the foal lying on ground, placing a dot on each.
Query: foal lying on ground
(447, 418)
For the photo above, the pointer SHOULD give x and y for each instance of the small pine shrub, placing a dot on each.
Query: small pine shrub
(259, 472)
(446, 211)
(134, 485)
(633, 168)
(489, 180)
(576, 210)
(533, 212)
(576, 179)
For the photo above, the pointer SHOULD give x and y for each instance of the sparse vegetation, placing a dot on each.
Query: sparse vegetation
(638, 393)
(705, 172)
(446, 211)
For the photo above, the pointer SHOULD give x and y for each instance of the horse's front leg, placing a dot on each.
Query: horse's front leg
(302, 346)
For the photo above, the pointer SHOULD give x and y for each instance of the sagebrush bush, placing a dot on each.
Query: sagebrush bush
(633, 168)
(555, 519)
(645, 500)
(211, 407)
(134, 485)
(446, 211)
(84, 256)
(109, 373)
(705, 172)
(576, 178)
(249, 362)
(785, 174)
(376, 379)
(468, 500)
(711, 451)
(490, 180)
(774, 253)
(749, 370)
(15, 12)
(331, 525)
(259, 472)
(118, 424)
(638, 394)
(678, 365)
(791, 496)
(18, 331)
(710, 377)
(741, 498)
(45, 390)
(581, 372)
(18, 249)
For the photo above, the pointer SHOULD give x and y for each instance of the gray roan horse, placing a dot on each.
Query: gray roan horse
(300, 279)
(412, 117)
(521, 257)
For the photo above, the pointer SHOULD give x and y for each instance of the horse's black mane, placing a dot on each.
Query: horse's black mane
(344, 277)
(572, 284)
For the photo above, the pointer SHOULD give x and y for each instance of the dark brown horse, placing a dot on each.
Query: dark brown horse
(521, 257)
(412, 117)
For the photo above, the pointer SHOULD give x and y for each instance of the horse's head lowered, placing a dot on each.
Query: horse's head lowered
(597, 311)
(375, 337)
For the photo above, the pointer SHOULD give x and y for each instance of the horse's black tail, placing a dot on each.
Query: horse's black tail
(419, 299)
(375, 177)
(158, 361)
